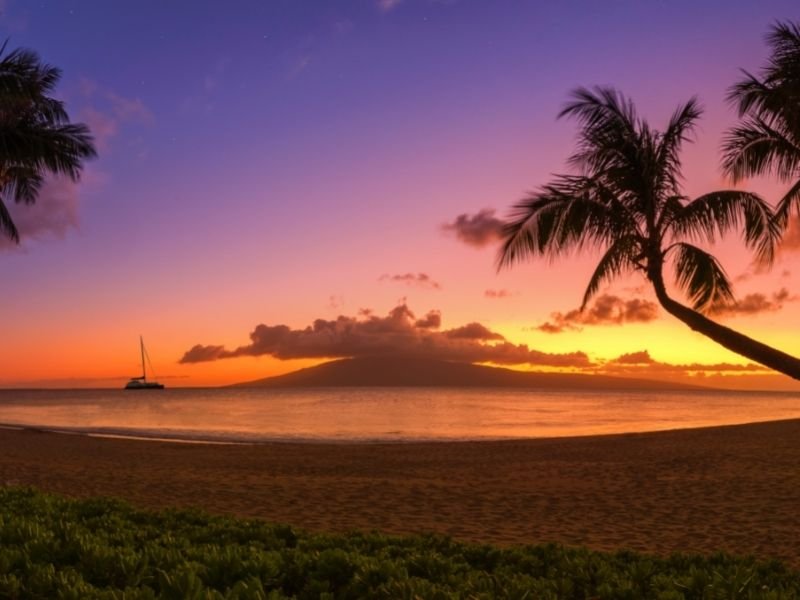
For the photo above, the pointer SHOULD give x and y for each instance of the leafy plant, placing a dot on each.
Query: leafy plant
(53, 547)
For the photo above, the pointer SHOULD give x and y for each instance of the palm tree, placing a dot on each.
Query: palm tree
(36, 136)
(626, 200)
(767, 141)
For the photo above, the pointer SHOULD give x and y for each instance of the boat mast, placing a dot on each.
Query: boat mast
(141, 347)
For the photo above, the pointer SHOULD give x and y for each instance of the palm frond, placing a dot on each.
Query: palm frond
(58, 149)
(608, 131)
(679, 129)
(572, 213)
(756, 147)
(718, 213)
(790, 202)
(619, 259)
(23, 183)
(701, 277)
(775, 94)
(7, 223)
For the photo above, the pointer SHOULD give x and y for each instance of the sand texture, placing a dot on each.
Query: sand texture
(727, 488)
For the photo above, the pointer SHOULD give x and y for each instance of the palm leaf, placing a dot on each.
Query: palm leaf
(701, 277)
(716, 214)
(790, 200)
(619, 259)
(680, 126)
(756, 147)
(573, 213)
(7, 223)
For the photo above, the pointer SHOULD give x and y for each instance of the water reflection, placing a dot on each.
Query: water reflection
(390, 414)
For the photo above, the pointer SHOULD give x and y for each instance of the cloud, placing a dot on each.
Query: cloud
(753, 304)
(335, 302)
(129, 109)
(399, 333)
(432, 320)
(422, 280)
(473, 331)
(388, 5)
(103, 126)
(114, 106)
(634, 358)
(642, 363)
(606, 310)
(478, 230)
(498, 294)
(54, 213)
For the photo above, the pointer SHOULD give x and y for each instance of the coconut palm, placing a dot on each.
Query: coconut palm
(625, 199)
(767, 141)
(36, 136)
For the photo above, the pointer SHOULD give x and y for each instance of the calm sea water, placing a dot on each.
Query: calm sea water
(381, 414)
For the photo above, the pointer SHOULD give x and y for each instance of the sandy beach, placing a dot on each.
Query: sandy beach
(734, 488)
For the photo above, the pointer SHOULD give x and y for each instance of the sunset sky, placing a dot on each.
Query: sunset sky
(287, 162)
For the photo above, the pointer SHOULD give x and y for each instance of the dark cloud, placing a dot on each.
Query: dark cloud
(398, 333)
(480, 229)
(498, 294)
(473, 331)
(433, 320)
(753, 304)
(606, 310)
(642, 364)
(634, 358)
(416, 279)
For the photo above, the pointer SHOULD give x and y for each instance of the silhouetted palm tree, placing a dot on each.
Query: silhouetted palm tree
(767, 141)
(36, 137)
(626, 200)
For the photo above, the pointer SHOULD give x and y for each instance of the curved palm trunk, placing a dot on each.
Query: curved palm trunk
(724, 336)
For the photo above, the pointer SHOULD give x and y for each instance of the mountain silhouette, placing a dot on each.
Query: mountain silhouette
(393, 371)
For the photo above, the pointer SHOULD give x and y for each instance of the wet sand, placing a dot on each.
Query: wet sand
(734, 488)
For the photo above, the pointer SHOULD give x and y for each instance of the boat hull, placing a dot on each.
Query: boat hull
(138, 385)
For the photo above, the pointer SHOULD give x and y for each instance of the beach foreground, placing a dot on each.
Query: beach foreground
(734, 488)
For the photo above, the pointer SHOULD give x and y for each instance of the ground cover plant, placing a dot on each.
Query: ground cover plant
(54, 547)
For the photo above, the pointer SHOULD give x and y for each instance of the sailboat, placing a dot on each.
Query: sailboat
(141, 383)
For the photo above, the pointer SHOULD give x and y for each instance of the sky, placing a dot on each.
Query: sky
(283, 182)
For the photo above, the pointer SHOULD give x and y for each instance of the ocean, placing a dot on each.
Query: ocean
(380, 414)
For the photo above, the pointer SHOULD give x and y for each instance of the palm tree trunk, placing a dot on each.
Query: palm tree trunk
(724, 336)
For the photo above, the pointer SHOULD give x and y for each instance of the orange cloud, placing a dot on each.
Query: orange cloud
(753, 304)
(399, 333)
(606, 310)
(642, 363)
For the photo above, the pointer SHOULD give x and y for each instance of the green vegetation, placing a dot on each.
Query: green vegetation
(52, 547)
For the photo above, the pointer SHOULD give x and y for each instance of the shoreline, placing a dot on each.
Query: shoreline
(731, 488)
(212, 439)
